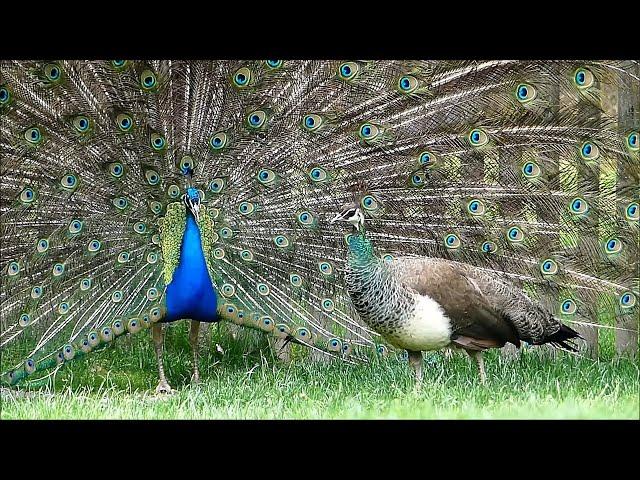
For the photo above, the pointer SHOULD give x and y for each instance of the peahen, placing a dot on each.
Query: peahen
(140, 192)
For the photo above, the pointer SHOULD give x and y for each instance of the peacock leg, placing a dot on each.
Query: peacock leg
(477, 356)
(158, 338)
(415, 359)
(193, 340)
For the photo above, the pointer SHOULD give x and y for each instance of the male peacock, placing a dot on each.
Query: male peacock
(136, 192)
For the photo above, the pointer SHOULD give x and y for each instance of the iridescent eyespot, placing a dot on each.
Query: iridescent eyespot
(116, 169)
(124, 122)
(525, 92)
(589, 151)
(613, 245)
(568, 307)
(218, 253)
(140, 228)
(53, 72)
(152, 294)
(452, 241)
(327, 305)
(246, 208)
(531, 170)
(266, 176)
(148, 80)
(266, 323)
(273, 64)
(407, 84)
(303, 333)
(368, 131)
(123, 257)
(120, 203)
(173, 191)
(489, 247)
(418, 179)
(369, 203)
(325, 268)
(281, 241)
(426, 158)
(157, 142)
(58, 269)
(75, 226)
(583, 78)
(27, 196)
(5, 95)
(94, 339)
(155, 207)
(348, 71)
(632, 211)
(36, 292)
(347, 348)
(256, 119)
(69, 181)
(218, 141)
(119, 64)
(549, 267)
(30, 365)
(382, 350)
(627, 300)
(81, 123)
(63, 308)
(632, 141)
(216, 185)
(85, 284)
(246, 255)
(106, 334)
(475, 207)
(226, 232)
(117, 296)
(514, 234)
(152, 177)
(263, 289)
(295, 279)
(312, 122)
(478, 137)
(579, 206)
(33, 135)
(305, 218)
(334, 345)
(134, 325)
(186, 163)
(387, 258)
(152, 258)
(24, 320)
(242, 77)
(42, 245)
(317, 174)
(13, 268)
(94, 246)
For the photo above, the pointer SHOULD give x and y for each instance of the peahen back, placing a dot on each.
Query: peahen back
(508, 165)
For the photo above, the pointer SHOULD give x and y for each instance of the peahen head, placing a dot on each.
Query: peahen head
(352, 214)
(360, 246)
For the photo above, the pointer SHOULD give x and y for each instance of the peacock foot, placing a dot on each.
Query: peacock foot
(164, 388)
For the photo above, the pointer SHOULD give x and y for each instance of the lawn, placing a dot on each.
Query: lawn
(247, 382)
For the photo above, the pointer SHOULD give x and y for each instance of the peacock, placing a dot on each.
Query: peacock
(136, 193)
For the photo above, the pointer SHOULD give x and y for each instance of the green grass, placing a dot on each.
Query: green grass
(246, 382)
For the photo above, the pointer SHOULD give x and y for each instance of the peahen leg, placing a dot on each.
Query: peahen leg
(158, 338)
(415, 359)
(477, 356)
(193, 340)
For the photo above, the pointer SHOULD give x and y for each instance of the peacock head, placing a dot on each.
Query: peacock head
(352, 214)
(192, 201)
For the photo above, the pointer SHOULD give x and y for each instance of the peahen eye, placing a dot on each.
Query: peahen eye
(549, 267)
(407, 84)
(281, 241)
(531, 170)
(81, 123)
(158, 142)
(246, 208)
(312, 122)
(525, 92)
(242, 77)
(33, 135)
(569, 307)
(116, 169)
(256, 119)
(24, 320)
(613, 246)
(42, 245)
(477, 137)
(69, 181)
(52, 71)
(631, 212)
(273, 64)
(348, 71)
(475, 207)
(263, 289)
(579, 206)
(589, 151)
(295, 279)
(148, 80)
(124, 122)
(327, 305)
(94, 246)
(75, 226)
(583, 78)
(514, 234)
(627, 300)
(318, 174)
(489, 247)
(218, 141)
(216, 185)
(452, 241)
(368, 131)
(632, 141)
(27, 196)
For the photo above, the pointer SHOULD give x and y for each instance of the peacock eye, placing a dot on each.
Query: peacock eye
(27, 196)
(69, 181)
(94, 245)
(152, 177)
(348, 71)
(579, 206)
(117, 296)
(631, 212)
(140, 228)
(318, 174)
(525, 92)
(266, 176)
(589, 151)
(152, 294)
(327, 305)
(148, 80)
(158, 142)
(613, 246)
(549, 267)
(531, 170)
(295, 279)
(407, 84)
(303, 333)
(58, 269)
(246, 255)
(583, 78)
(478, 137)
(368, 202)
(452, 241)
(426, 158)
(152, 258)
(33, 135)
(52, 71)
(85, 284)
(242, 77)
(187, 163)
(118, 63)
(368, 131)
(42, 245)
(173, 191)
(263, 289)
(475, 207)
(36, 292)
(281, 241)
(226, 232)
(312, 122)
(273, 64)
(256, 119)
(325, 268)
(569, 307)
(116, 169)
(627, 300)
(246, 208)
(382, 350)
(514, 234)
(216, 185)
(632, 141)
(306, 218)
(63, 308)
(81, 123)
(218, 141)
(489, 247)
(75, 226)
(5, 96)
(24, 320)
(123, 257)
(120, 203)
(124, 122)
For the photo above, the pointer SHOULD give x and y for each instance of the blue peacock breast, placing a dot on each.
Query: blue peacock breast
(191, 293)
